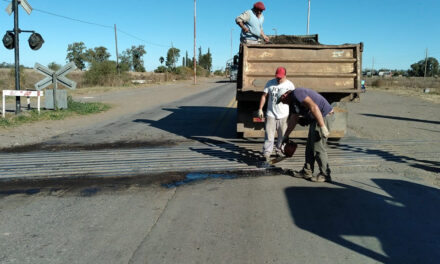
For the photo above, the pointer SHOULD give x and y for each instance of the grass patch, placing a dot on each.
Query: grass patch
(74, 108)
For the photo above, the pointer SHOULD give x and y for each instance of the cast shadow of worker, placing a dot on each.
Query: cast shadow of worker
(212, 126)
(407, 223)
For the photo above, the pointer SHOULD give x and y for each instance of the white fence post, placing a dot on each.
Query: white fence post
(37, 94)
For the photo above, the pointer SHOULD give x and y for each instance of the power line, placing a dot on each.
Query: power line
(96, 24)
(73, 19)
(155, 44)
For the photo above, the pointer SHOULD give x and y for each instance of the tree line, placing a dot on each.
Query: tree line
(131, 59)
(417, 69)
(204, 61)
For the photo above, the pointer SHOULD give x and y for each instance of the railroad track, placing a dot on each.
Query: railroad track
(208, 155)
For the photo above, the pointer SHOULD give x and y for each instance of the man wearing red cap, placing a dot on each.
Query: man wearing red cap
(276, 114)
(251, 24)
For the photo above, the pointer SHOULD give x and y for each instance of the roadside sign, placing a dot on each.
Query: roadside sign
(52, 76)
(20, 93)
(55, 78)
(26, 6)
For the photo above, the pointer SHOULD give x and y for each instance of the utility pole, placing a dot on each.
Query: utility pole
(194, 58)
(372, 68)
(172, 51)
(117, 56)
(426, 62)
(275, 30)
(17, 56)
(308, 19)
(231, 42)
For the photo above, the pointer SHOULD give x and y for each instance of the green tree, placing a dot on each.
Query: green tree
(161, 59)
(98, 54)
(200, 54)
(137, 54)
(76, 53)
(54, 66)
(187, 60)
(205, 61)
(173, 55)
(131, 59)
(189, 63)
(100, 72)
(126, 63)
(418, 68)
(160, 69)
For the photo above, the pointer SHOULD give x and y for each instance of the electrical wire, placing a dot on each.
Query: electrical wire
(96, 24)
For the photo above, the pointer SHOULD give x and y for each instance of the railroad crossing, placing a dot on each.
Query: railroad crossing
(208, 155)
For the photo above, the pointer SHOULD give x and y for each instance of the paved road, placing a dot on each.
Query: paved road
(361, 218)
(382, 206)
(208, 113)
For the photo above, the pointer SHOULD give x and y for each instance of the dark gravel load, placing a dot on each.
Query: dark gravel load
(295, 39)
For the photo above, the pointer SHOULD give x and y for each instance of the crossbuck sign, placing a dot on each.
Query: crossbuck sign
(55, 76)
(26, 6)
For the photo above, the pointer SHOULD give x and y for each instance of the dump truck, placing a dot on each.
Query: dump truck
(335, 71)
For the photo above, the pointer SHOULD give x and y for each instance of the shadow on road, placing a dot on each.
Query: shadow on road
(201, 123)
(403, 118)
(427, 165)
(406, 223)
(193, 121)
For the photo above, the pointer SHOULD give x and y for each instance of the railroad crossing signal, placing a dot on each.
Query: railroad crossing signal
(55, 76)
(26, 6)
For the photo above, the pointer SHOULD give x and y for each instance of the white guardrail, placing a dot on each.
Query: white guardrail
(20, 93)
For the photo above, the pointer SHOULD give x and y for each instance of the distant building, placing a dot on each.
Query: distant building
(385, 74)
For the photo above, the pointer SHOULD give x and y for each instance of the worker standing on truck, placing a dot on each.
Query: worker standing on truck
(276, 114)
(251, 24)
(310, 104)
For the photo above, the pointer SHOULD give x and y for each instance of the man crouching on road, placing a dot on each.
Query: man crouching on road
(312, 105)
(276, 114)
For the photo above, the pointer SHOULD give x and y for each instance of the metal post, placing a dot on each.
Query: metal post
(231, 42)
(426, 62)
(17, 56)
(308, 19)
(194, 58)
(117, 56)
(172, 52)
(55, 86)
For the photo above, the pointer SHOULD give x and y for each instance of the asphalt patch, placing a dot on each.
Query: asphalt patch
(100, 146)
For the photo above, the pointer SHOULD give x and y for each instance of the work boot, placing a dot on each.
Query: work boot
(301, 174)
(321, 177)
(267, 158)
(279, 153)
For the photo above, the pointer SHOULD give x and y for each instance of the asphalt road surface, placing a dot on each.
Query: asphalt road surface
(381, 208)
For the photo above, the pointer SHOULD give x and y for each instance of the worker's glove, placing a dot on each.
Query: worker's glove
(324, 131)
(260, 113)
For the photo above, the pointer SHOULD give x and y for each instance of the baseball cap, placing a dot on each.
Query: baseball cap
(260, 6)
(281, 72)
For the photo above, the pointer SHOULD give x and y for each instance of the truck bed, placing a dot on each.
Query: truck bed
(332, 70)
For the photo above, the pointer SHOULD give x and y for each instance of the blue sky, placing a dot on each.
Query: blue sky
(396, 33)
